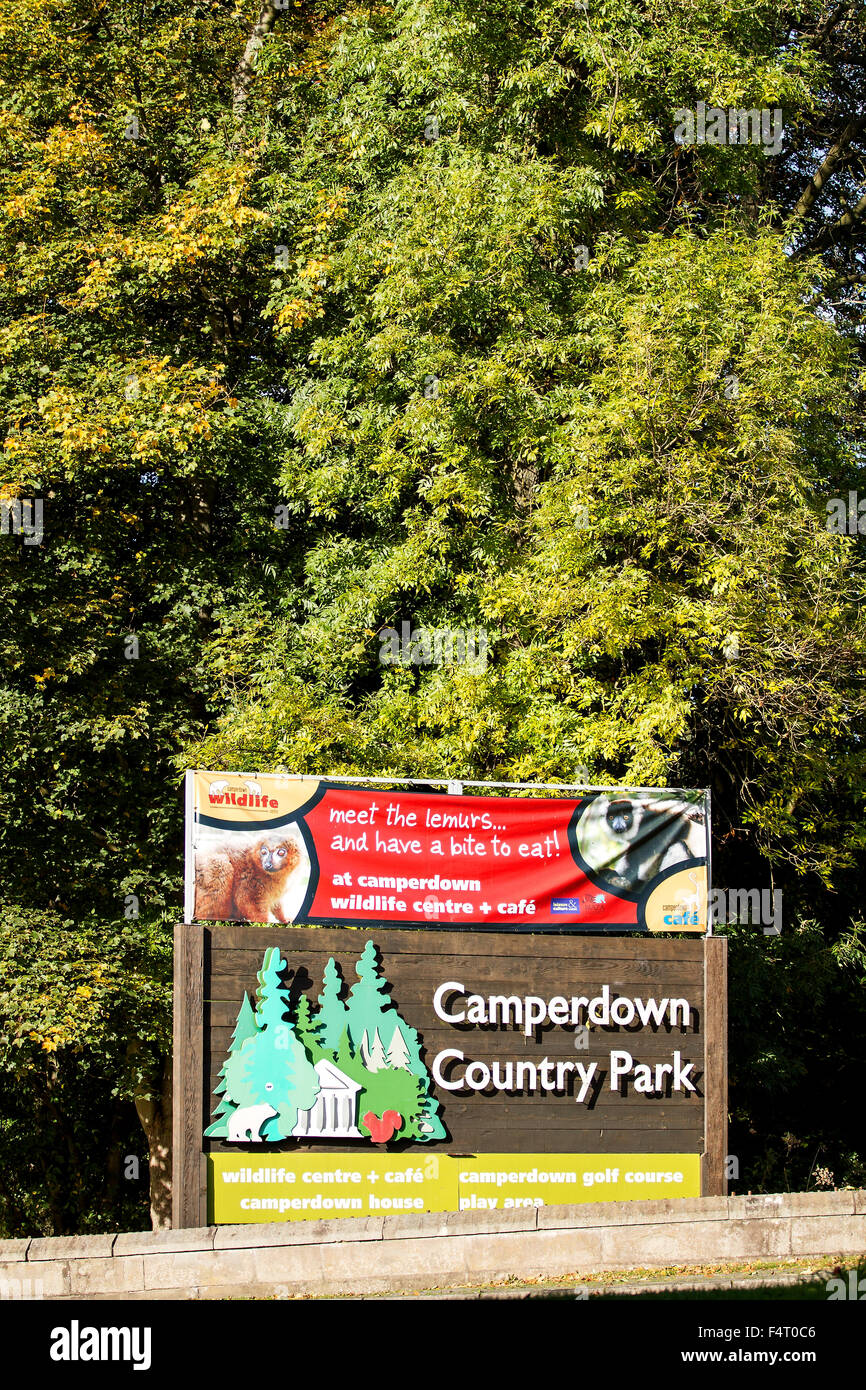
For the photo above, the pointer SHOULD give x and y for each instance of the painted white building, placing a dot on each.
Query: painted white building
(333, 1114)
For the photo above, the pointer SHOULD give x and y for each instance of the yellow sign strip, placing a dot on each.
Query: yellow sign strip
(296, 1187)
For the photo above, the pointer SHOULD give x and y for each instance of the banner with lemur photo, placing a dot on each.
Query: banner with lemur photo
(270, 848)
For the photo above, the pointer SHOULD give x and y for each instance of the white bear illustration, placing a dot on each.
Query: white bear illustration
(246, 1122)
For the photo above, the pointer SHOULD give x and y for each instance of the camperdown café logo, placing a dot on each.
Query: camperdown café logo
(353, 1070)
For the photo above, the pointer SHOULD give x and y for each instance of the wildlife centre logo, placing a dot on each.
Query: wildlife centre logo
(252, 797)
(342, 1071)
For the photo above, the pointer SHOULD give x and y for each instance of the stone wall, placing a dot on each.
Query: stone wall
(378, 1254)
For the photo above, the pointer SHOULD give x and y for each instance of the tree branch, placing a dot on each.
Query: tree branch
(849, 223)
(828, 166)
(831, 21)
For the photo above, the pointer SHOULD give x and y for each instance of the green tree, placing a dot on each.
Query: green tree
(372, 1017)
(245, 1027)
(85, 1074)
(120, 419)
(308, 1028)
(345, 1056)
(417, 275)
(368, 999)
(332, 1017)
(272, 1067)
(621, 473)
(798, 1018)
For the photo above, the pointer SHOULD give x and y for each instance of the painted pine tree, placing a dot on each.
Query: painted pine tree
(332, 1017)
(308, 1027)
(398, 1052)
(271, 1059)
(345, 1057)
(429, 1125)
(368, 999)
(373, 1053)
(272, 1067)
(245, 1027)
(372, 1011)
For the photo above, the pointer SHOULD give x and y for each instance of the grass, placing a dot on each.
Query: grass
(812, 1276)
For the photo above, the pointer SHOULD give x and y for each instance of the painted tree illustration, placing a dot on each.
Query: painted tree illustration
(373, 1053)
(332, 1017)
(368, 999)
(345, 1056)
(245, 1027)
(372, 1012)
(308, 1027)
(272, 1067)
(386, 1089)
(398, 1052)
(274, 1049)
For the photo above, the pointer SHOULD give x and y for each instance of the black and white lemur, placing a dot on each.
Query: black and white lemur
(629, 840)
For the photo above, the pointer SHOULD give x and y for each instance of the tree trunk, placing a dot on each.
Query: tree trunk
(834, 156)
(245, 70)
(154, 1112)
(114, 1165)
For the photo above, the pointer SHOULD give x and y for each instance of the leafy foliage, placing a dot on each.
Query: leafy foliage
(797, 1021)
(85, 1028)
(436, 280)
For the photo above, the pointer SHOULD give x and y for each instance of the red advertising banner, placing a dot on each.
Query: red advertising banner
(266, 848)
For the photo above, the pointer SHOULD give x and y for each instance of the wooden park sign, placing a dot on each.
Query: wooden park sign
(325, 1072)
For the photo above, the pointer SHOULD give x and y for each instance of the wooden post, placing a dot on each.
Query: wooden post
(188, 1064)
(714, 1181)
